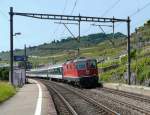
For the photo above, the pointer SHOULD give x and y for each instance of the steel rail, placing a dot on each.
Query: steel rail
(127, 94)
(73, 112)
(90, 100)
(142, 110)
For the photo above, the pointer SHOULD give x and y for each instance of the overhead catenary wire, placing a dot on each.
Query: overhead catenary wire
(140, 9)
(135, 13)
(3, 14)
(100, 27)
(138, 3)
(110, 8)
(58, 26)
(65, 6)
(74, 6)
(106, 12)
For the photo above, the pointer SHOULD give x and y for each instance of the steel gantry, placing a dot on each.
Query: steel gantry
(67, 18)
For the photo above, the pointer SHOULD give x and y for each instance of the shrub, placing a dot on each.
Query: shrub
(4, 74)
(124, 60)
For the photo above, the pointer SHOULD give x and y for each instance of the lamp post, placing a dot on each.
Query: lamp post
(17, 33)
(11, 52)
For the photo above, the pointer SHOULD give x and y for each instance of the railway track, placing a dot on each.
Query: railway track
(131, 106)
(138, 97)
(126, 104)
(64, 107)
(76, 102)
(98, 101)
(142, 110)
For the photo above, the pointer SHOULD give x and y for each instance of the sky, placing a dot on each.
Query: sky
(36, 31)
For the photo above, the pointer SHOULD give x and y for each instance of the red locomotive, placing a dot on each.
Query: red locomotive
(83, 72)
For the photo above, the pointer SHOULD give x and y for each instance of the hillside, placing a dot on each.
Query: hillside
(115, 70)
(64, 45)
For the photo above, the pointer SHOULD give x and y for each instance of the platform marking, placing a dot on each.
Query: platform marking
(39, 100)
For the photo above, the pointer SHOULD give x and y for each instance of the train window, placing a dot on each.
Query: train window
(59, 71)
(53, 71)
(81, 65)
(56, 71)
(92, 64)
(50, 71)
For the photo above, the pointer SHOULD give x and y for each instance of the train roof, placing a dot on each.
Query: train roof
(80, 59)
(37, 70)
(76, 60)
(55, 66)
(41, 69)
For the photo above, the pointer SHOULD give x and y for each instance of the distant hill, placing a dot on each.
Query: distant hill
(69, 43)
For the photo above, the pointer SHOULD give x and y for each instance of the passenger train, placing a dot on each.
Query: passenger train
(80, 72)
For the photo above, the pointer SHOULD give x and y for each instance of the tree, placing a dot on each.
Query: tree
(133, 54)
(4, 73)
(53, 42)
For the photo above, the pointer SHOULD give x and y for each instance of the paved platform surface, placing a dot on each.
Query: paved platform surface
(129, 88)
(29, 100)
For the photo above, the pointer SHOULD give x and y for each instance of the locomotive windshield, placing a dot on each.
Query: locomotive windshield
(81, 65)
(92, 64)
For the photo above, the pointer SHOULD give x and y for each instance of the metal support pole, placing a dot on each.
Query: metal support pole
(25, 61)
(11, 44)
(25, 52)
(113, 27)
(129, 58)
(136, 44)
(79, 36)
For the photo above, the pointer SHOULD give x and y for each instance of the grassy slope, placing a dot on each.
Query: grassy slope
(6, 91)
(101, 50)
(63, 45)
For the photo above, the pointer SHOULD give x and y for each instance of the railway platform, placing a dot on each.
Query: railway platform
(31, 99)
(129, 88)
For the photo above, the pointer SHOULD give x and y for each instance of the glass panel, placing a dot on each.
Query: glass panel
(81, 65)
(92, 64)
